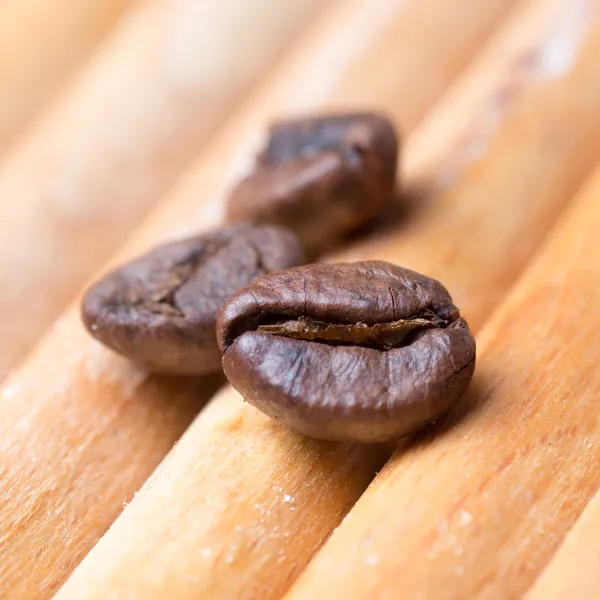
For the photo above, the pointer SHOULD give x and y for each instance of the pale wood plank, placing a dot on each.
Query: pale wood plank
(43, 43)
(85, 427)
(574, 572)
(479, 510)
(216, 519)
(101, 157)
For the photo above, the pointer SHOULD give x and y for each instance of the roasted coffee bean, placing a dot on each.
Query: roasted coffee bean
(359, 352)
(322, 177)
(160, 310)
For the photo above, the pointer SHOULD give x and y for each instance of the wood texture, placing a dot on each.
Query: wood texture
(478, 510)
(241, 504)
(66, 501)
(574, 572)
(43, 43)
(101, 158)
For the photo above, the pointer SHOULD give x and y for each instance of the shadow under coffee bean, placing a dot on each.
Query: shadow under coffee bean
(360, 352)
(160, 310)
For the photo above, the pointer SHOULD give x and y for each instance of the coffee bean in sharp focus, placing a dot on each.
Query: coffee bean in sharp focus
(323, 177)
(160, 310)
(359, 352)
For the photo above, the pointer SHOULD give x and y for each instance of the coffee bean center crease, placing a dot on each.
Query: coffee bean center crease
(382, 336)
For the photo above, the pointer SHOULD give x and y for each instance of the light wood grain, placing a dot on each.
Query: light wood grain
(43, 43)
(30, 398)
(574, 572)
(43, 546)
(216, 519)
(231, 542)
(70, 464)
(478, 510)
(99, 161)
(519, 152)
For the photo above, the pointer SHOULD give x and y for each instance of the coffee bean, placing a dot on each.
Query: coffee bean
(322, 177)
(359, 352)
(160, 310)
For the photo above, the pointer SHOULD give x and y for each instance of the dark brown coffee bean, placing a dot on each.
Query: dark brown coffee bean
(360, 352)
(322, 177)
(160, 310)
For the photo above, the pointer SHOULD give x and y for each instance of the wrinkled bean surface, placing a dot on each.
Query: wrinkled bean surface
(361, 352)
(160, 310)
(322, 177)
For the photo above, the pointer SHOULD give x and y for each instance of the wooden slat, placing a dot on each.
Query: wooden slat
(42, 45)
(477, 510)
(100, 160)
(79, 429)
(574, 572)
(241, 504)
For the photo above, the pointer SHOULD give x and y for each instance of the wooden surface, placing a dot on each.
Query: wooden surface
(54, 419)
(94, 166)
(574, 571)
(241, 505)
(208, 527)
(477, 511)
(42, 45)
(500, 155)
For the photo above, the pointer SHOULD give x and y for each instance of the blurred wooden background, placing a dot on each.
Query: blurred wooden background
(124, 123)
